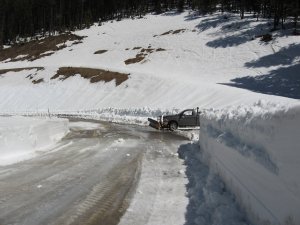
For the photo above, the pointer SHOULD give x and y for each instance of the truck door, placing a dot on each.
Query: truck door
(188, 118)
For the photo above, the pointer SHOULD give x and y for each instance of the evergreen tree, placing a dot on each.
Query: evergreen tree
(180, 5)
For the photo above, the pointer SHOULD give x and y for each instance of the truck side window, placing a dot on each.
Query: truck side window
(188, 113)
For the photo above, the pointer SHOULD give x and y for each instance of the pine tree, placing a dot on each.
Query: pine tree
(21, 18)
(180, 5)
(2, 21)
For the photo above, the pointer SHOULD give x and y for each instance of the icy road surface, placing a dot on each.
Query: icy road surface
(109, 174)
(92, 176)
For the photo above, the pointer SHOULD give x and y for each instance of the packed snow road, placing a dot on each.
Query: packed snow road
(91, 176)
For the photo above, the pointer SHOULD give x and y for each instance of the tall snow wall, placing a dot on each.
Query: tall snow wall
(256, 151)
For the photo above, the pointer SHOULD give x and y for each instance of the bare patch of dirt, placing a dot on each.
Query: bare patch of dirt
(147, 50)
(173, 32)
(136, 48)
(161, 50)
(142, 54)
(167, 33)
(34, 50)
(179, 31)
(30, 76)
(38, 81)
(138, 58)
(94, 75)
(100, 52)
(20, 69)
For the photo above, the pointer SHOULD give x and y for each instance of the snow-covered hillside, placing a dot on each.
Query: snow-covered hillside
(186, 61)
(165, 63)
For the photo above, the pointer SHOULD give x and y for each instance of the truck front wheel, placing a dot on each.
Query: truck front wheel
(173, 126)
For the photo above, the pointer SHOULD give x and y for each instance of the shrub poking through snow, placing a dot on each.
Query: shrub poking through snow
(266, 37)
(100, 52)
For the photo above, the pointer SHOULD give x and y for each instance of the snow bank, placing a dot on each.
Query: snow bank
(22, 137)
(137, 116)
(209, 201)
(256, 152)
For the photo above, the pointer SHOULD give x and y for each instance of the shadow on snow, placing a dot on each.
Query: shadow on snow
(237, 31)
(284, 56)
(209, 22)
(283, 82)
(209, 201)
(242, 33)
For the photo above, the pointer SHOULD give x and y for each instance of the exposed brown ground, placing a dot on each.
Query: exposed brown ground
(38, 81)
(34, 49)
(147, 50)
(142, 54)
(30, 76)
(94, 75)
(172, 32)
(138, 58)
(100, 52)
(178, 31)
(161, 50)
(19, 69)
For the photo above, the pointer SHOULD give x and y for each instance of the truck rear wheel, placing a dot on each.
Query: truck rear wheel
(173, 126)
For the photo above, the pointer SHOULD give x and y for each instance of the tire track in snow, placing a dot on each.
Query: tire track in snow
(108, 200)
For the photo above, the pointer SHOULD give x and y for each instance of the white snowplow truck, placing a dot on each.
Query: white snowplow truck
(188, 118)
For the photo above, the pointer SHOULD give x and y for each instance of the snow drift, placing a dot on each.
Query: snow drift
(256, 151)
(21, 137)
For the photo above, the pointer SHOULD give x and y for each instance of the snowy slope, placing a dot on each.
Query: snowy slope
(192, 71)
(212, 63)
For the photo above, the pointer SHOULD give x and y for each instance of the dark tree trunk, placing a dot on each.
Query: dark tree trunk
(242, 9)
(296, 15)
(2, 20)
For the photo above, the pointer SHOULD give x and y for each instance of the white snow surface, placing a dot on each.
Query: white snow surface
(80, 125)
(22, 138)
(253, 144)
(256, 152)
(190, 73)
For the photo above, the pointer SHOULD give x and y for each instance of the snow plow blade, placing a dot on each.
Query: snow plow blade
(154, 124)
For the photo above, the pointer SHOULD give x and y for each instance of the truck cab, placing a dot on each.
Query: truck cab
(186, 118)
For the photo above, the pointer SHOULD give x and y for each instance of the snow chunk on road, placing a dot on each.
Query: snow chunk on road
(22, 137)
